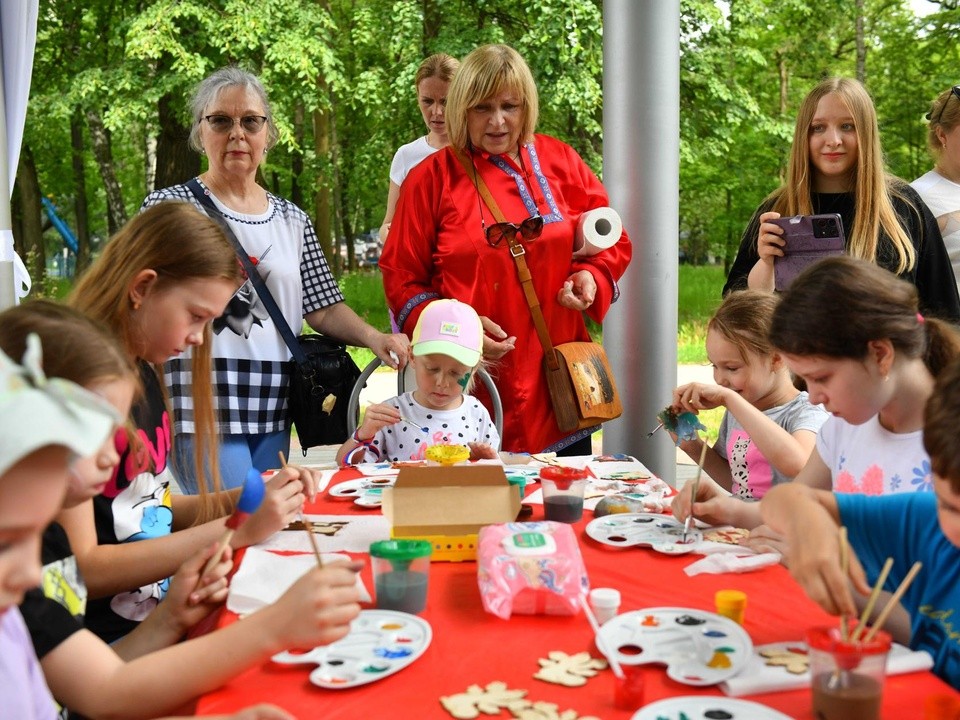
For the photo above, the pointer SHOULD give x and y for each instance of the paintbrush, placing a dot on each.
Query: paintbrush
(871, 601)
(651, 433)
(601, 645)
(696, 489)
(415, 424)
(892, 602)
(845, 569)
(306, 526)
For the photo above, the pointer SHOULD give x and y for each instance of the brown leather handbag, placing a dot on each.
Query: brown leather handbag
(581, 385)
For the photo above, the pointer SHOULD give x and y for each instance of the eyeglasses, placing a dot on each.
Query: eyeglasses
(224, 123)
(954, 91)
(529, 229)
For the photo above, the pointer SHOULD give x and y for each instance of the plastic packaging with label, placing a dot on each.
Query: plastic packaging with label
(531, 569)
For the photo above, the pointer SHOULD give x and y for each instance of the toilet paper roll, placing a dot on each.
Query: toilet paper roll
(597, 230)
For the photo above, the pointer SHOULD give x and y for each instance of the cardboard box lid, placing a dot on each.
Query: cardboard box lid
(458, 500)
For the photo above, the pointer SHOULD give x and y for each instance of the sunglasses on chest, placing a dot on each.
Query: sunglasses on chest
(529, 230)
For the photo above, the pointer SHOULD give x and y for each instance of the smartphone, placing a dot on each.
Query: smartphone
(808, 238)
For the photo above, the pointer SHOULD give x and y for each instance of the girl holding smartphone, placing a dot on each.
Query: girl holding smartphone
(836, 166)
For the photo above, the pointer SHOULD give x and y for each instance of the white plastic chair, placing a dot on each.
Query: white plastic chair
(353, 407)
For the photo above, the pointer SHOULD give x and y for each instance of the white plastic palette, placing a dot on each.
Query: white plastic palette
(697, 707)
(366, 492)
(662, 533)
(698, 648)
(380, 643)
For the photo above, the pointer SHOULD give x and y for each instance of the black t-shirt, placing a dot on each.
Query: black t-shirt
(932, 274)
(54, 611)
(135, 505)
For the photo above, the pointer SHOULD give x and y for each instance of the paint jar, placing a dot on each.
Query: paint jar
(846, 678)
(519, 482)
(563, 489)
(605, 603)
(731, 604)
(628, 691)
(401, 569)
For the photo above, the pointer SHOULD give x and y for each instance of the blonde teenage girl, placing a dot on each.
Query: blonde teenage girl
(158, 284)
(853, 332)
(129, 678)
(768, 427)
(836, 166)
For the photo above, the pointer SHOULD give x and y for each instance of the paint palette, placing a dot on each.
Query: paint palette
(380, 643)
(366, 492)
(698, 707)
(698, 648)
(660, 532)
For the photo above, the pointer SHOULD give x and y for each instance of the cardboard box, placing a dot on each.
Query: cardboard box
(448, 505)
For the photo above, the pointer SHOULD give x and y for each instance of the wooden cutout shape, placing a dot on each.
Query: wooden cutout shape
(489, 700)
(793, 661)
(545, 711)
(327, 529)
(568, 670)
(730, 536)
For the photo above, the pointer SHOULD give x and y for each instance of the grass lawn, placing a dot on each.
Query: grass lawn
(699, 296)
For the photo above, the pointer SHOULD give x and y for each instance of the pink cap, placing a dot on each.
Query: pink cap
(452, 328)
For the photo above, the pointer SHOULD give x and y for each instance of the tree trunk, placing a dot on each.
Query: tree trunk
(176, 162)
(861, 46)
(116, 212)
(321, 201)
(341, 222)
(80, 191)
(296, 190)
(31, 240)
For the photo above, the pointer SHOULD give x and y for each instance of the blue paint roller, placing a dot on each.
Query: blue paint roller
(251, 497)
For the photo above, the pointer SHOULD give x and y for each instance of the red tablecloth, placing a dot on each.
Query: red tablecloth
(472, 647)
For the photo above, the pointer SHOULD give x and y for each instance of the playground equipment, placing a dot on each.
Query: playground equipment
(69, 239)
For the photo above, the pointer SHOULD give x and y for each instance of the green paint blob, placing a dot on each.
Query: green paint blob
(464, 381)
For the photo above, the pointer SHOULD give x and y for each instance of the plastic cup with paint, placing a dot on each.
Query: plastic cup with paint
(628, 691)
(401, 569)
(563, 489)
(731, 604)
(846, 678)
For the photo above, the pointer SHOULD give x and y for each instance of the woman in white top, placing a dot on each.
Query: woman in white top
(431, 81)
(940, 188)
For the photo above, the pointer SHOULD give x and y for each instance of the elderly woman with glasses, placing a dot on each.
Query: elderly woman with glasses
(233, 127)
(446, 240)
(940, 188)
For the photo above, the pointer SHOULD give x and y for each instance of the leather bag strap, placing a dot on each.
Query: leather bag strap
(517, 252)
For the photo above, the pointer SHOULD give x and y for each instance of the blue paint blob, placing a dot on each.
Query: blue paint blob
(714, 633)
(392, 653)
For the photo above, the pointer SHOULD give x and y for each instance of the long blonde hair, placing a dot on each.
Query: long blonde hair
(872, 184)
(179, 243)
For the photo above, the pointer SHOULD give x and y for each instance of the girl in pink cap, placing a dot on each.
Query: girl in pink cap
(445, 354)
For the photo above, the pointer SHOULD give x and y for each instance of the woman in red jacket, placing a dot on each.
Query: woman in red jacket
(446, 243)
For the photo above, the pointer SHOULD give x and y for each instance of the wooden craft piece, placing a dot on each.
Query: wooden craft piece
(793, 660)
(489, 700)
(730, 536)
(568, 670)
(318, 527)
(546, 711)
